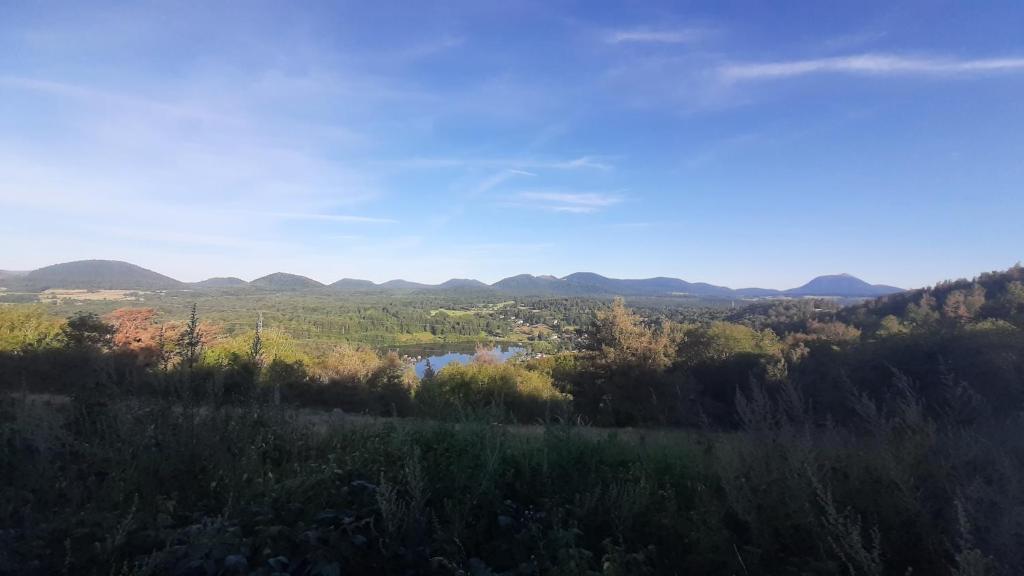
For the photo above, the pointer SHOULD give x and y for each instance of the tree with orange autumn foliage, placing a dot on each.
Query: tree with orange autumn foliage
(136, 330)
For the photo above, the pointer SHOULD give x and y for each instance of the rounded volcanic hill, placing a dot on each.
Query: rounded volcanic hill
(100, 275)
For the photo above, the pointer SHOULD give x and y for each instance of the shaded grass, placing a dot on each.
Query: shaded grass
(147, 487)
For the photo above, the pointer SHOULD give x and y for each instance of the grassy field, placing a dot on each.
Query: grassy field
(56, 295)
(145, 487)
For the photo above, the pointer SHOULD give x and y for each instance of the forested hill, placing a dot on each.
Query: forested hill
(991, 301)
(992, 297)
(285, 282)
(97, 275)
(115, 275)
(221, 282)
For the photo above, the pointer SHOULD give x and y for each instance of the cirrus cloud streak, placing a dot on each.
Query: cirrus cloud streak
(571, 202)
(871, 64)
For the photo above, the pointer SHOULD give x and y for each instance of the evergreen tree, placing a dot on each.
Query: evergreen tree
(190, 343)
(256, 349)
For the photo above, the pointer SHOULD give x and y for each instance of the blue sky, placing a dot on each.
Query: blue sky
(730, 142)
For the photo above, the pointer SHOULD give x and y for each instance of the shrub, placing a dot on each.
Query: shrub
(284, 375)
(276, 345)
(24, 327)
(721, 340)
(509, 388)
(347, 364)
(563, 368)
(391, 387)
(355, 379)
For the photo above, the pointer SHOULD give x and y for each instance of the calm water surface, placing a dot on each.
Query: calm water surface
(441, 356)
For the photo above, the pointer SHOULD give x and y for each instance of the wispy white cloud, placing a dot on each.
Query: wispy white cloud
(212, 161)
(632, 225)
(571, 202)
(344, 237)
(593, 162)
(331, 217)
(499, 178)
(522, 165)
(427, 49)
(868, 64)
(96, 96)
(655, 36)
(178, 239)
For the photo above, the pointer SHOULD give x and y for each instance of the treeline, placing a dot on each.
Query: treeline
(960, 350)
(996, 297)
(129, 353)
(959, 345)
(324, 318)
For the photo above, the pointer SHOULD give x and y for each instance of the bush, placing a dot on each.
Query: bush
(284, 375)
(276, 345)
(508, 388)
(355, 379)
(347, 364)
(720, 341)
(28, 327)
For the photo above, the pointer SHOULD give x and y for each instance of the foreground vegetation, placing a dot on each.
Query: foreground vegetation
(878, 439)
(153, 488)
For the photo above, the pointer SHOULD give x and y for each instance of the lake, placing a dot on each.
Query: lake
(440, 356)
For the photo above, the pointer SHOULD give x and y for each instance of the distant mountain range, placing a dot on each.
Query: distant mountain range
(111, 274)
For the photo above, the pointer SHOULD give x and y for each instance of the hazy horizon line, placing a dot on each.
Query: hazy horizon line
(317, 277)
